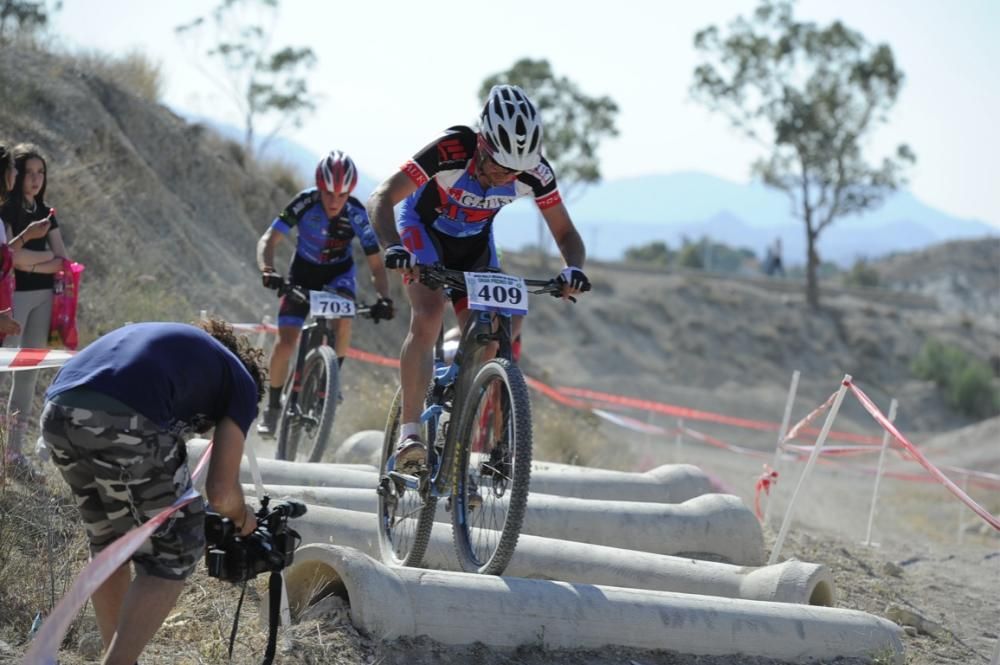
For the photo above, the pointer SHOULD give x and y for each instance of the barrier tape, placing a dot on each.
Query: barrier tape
(13, 359)
(45, 647)
(630, 423)
(924, 462)
(719, 443)
(803, 425)
(708, 416)
(767, 478)
(255, 327)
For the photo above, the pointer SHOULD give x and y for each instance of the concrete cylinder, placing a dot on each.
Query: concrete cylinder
(275, 472)
(670, 483)
(364, 447)
(507, 612)
(716, 527)
(567, 561)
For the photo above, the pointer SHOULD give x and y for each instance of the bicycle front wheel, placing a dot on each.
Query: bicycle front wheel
(306, 425)
(492, 468)
(405, 515)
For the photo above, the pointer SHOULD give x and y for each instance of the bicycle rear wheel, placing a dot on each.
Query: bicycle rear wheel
(306, 426)
(493, 465)
(405, 516)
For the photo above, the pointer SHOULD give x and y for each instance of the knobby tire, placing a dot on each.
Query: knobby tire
(485, 538)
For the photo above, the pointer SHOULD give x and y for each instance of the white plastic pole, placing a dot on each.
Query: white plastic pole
(262, 335)
(789, 401)
(679, 441)
(830, 417)
(203, 315)
(996, 654)
(961, 510)
(878, 474)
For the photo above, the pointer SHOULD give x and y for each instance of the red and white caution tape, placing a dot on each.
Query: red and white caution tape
(45, 647)
(768, 478)
(13, 360)
(881, 419)
(685, 413)
(255, 328)
(630, 423)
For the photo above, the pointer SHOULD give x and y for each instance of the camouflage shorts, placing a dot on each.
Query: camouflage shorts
(123, 470)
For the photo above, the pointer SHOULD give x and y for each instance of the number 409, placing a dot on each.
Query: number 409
(500, 294)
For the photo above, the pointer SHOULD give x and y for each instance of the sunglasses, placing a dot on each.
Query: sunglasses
(500, 167)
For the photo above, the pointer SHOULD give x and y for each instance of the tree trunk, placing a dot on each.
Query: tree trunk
(812, 269)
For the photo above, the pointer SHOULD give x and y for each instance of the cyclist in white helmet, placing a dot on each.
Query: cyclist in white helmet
(450, 192)
(327, 219)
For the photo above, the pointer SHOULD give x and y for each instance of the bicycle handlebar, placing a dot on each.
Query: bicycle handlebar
(301, 295)
(437, 276)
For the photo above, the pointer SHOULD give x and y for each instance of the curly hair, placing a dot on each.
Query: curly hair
(251, 357)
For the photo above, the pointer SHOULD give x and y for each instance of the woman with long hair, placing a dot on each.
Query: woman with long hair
(40, 256)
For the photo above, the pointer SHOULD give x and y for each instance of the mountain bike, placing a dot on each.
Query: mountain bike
(477, 425)
(312, 392)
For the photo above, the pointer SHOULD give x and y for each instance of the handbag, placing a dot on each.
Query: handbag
(65, 296)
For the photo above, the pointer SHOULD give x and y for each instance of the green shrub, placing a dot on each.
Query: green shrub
(972, 391)
(861, 273)
(653, 252)
(966, 380)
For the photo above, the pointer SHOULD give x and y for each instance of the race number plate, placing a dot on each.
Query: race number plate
(330, 305)
(493, 291)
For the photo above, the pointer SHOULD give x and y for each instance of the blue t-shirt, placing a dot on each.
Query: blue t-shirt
(175, 374)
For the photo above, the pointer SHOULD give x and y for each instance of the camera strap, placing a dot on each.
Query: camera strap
(273, 617)
(236, 621)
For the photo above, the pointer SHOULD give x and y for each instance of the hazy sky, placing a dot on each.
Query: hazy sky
(392, 74)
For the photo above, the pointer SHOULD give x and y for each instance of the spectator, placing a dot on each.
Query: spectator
(772, 262)
(34, 266)
(8, 172)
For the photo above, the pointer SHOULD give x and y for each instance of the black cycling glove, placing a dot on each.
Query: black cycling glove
(382, 310)
(271, 280)
(575, 278)
(396, 257)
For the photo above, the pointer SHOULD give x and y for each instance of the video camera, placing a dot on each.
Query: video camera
(269, 547)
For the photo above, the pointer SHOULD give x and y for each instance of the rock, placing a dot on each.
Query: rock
(90, 645)
(891, 568)
(911, 631)
(906, 617)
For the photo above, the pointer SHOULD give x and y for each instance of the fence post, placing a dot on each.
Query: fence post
(782, 431)
(996, 654)
(830, 417)
(878, 474)
(203, 315)
(679, 441)
(961, 510)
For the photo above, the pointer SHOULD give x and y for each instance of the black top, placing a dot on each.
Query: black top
(18, 221)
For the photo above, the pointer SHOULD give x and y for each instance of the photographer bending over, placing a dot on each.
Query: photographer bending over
(115, 420)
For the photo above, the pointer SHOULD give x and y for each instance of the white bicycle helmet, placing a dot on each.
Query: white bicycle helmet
(511, 128)
(336, 173)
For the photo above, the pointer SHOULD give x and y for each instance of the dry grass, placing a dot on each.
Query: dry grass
(41, 549)
(133, 71)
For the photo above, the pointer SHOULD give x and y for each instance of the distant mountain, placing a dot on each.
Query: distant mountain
(615, 215)
(619, 214)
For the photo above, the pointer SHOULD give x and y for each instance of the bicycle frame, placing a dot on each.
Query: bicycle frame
(481, 330)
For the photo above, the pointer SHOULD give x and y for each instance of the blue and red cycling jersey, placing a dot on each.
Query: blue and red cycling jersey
(321, 240)
(451, 212)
